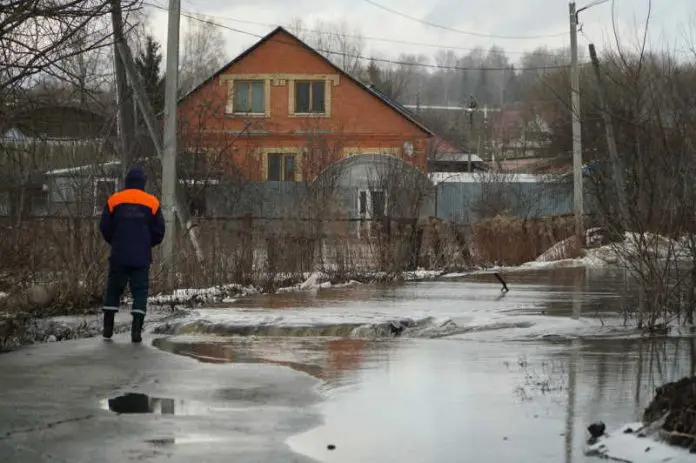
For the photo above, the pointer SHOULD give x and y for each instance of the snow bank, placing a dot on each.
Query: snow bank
(625, 444)
(312, 281)
(559, 251)
(315, 281)
(608, 255)
(224, 293)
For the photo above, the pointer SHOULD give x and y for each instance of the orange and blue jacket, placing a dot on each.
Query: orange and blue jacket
(132, 223)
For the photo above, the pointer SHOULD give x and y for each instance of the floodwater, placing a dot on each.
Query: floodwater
(517, 379)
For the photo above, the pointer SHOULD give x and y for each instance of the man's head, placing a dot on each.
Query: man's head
(136, 178)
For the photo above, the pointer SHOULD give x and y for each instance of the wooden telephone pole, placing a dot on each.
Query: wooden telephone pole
(126, 124)
(577, 127)
(169, 176)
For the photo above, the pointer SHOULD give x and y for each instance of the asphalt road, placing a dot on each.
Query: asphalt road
(52, 406)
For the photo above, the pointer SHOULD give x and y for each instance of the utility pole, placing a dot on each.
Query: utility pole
(182, 213)
(126, 124)
(577, 127)
(169, 176)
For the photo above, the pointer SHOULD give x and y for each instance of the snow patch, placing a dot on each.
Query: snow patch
(224, 293)
(421, 274)
(608, 255)
(628, 447)
(559, 251)
(312, 282)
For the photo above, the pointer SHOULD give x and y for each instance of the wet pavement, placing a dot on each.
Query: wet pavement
(316, 379)
(52, 406)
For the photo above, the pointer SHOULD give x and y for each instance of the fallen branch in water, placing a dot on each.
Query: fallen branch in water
(505, 288)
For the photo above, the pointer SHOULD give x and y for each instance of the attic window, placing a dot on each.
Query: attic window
(249, 97)
(310, 97)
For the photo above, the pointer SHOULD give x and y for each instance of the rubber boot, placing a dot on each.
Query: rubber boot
(108, 324)
(137, 327)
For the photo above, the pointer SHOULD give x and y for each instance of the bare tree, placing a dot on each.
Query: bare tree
(396, 196)
(203, 53)
(647, 96)
(402, 80)
(34, 36)
(340, 43)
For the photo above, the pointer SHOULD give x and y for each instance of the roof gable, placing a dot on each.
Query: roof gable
(393, 105)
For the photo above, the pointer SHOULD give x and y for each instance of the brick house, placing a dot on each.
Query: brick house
(281, 112)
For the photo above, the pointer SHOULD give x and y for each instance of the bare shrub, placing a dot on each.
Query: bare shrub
(514, 241)
(402, 191)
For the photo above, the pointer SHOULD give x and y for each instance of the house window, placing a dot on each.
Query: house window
(103, 188)
(379, 204)
(372, 204)
(281, 167)
(310, 97)
(249, 97)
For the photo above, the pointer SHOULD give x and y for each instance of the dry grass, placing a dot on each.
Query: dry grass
(511, 241)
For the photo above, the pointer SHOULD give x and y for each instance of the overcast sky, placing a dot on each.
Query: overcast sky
(673, 22)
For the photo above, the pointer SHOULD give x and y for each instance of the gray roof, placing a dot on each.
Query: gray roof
(456, 157)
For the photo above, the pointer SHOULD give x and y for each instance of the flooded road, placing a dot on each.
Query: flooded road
(468, 374)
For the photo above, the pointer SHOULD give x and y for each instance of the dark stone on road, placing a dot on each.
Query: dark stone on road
(331, 447)
(597, 429)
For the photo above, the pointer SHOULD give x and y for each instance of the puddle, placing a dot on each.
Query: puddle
(137, 403)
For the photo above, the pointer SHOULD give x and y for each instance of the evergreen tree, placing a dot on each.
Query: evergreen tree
(483, 91)
(513, 86)
(374, 74)
(148, 63)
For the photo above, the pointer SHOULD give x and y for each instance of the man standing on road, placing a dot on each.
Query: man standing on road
(132, 224)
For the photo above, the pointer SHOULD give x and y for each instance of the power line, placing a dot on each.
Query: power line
(458, 31)
(370, 58)
(591, 4)
(366, 37)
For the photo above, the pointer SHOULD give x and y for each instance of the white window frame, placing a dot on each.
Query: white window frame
(99, 207)
(250, 82)
(369, 209)
(282, 154)
(365, 221)
(292, 93)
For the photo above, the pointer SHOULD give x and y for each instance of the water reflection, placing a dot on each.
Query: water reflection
(438, 401)
(327, 359)
(138, 403)
(603, 289)
(619, 377)
(443, 400)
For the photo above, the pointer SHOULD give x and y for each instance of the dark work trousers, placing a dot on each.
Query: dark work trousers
(119, 276)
